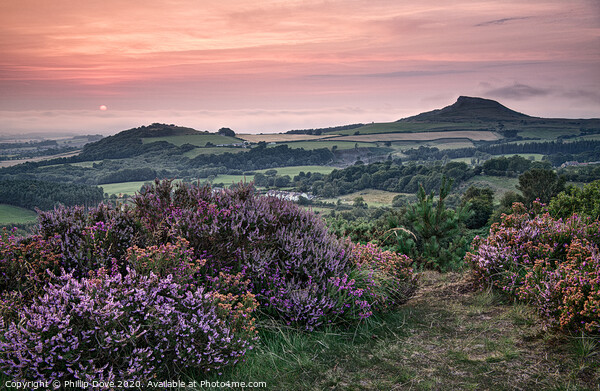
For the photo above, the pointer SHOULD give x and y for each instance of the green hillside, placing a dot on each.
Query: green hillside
(198, 139)
(14, 215)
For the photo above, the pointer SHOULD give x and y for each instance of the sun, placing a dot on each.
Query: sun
(103, 107)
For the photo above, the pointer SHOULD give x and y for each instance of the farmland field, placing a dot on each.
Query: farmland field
(9, 163)
(279, 138)
(292, 171)
(198, 140)
(372, 197)
(500, 185)
(410, 127)
(123, 187)
(212, 151)
(308, 145)
(295, 170)
(14, 215)
(548, 133)
(424, 136)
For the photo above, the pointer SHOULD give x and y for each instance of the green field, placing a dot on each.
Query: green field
(548, 133)
(14, 215)
(537, 157)
(89, 164)
(198, 140)
(212, 151)
(410, 127)
(309, 145)
(295, 170)
(129, 188)
(372, 197)
(499, 184)
(292, 171)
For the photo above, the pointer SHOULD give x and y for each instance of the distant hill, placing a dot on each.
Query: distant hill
(129, 143)
(470, 109)
(479, 114)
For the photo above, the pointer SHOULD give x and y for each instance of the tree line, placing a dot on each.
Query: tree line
(33, 194)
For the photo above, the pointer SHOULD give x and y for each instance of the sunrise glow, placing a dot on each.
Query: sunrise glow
(245, 64)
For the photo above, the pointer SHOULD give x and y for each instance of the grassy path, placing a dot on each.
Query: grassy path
(447, 337)
(461, 339)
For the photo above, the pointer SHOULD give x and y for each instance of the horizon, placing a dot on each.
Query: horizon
(274, 66)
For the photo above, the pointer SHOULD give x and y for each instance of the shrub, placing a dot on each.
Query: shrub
(23, 269)
(390, 281)
(551, 263)
(88, 240)
(285, 251)
(584, 201)
(126, 327)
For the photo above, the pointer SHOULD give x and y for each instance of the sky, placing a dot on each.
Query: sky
(273, 65)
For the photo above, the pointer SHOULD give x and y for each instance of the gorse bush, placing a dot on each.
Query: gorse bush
(551, 263)
(173, 283)
(389, 278)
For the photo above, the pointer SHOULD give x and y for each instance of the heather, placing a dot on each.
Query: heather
(175, 283)
(551, 263)
(130, 327)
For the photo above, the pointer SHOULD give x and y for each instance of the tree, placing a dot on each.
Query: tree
(438, 229)
(359, 202)
(226, 132)
(481, 203)
(542, 184)
(584, 201)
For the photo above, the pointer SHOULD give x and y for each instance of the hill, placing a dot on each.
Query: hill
(479, 114)
(137, 141)
(467, 109)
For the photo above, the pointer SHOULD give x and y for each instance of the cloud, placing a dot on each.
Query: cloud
(501, 21)
(242, 121)
(518, 92)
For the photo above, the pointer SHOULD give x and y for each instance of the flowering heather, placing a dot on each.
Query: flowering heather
(171, 284)
(23, 269)
(90, 240)
(551, 263)
(390, 279)
(126, 327)
(286, 252)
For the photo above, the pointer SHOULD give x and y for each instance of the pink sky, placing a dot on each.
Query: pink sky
(264, 66)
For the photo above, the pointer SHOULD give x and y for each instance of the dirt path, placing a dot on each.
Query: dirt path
(463, 339)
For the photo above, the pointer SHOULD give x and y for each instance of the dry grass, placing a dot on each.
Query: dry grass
(9, 163)
(371, 196)
(424, 136)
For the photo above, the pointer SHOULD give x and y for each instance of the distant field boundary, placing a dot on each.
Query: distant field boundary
(281, 138)
(478, 135)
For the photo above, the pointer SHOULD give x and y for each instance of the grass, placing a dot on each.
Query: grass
(548, 133)
(309, 145)
(424, 136)
(372, 197)
(198, 140)
(123, 187)
(295, 170)
(500, 185)
(15, 215)
(448, 337)
(292, 171)
(133, 187)
(410, 127)
(212, 151)
(280, 138)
